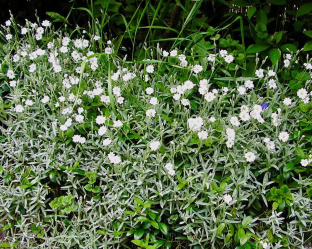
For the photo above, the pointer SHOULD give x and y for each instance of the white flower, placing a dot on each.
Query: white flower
(116, 91)
(259, 73)
(250, 157)
(229, 58)
(223, 53)
(40, 30)
(230, 143)
(154, 145)
(283, 136)
(234, 121)
(78, 43)
(120, 100)
(102, 130)
(227, 198)
(29, 102)
(114, 159)
(302, 93)
(63, 127)
(174, 52)
(100, 120)
(197, 69)
(271, 145)
(286, 63)
(195, 124)
(149, 90)
(287, 101)
(13, 83)
(177, 96)
(45, 99)
(183, 63)
(165, 53)
(117, 124)
(79, 118)
(211, 57)
(202, 135)
(19, 108)
(182, 57)
(168, 166)
(272, 84)
(171, 172)
(105, 99)
(63, 49)
(8, 23)
(150, 113)
(241, 90)
(257, 109)
(249, 84)
(8, 37)
(266, 140)
(185, 102)
(188, 85)
(265, 245)
(244, 116)
(10, 74)
(209, 97)
(306, 100)
(68, 122)
(46, 23)
(85, 43)
(96, 37)
(65, 41)
(107, 142)
(150, 69)
(304, 162)
(38, 37)
(212, 119)
(78, 139)
(80, 110)
(153, 101)
(24, 31)
(32, 68)
(271, 73)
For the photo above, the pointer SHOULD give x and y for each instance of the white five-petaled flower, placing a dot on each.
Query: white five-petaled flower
(100, 120)
(154, 145)
(154, 101)
(19, 108)
(197, 69)
(149, 90)
(202, 135)
(250, 157)
(150, 113)
(227, 198)
(287, 101)
(150, 69)
(283, 136)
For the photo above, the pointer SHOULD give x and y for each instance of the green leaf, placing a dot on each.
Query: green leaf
(275, 205)
(275, 55)
(138, 242)
(154, 224)
(180, 186)
(159, 243)
(251, 11)
(288, 167)
(308, 33)
(246, 221)
(300, 152)
(138, 234)
(256, 48)
(278, 36)
(304, 9)
(139, 201)
(88, 187)
(163, 228)
(304, 107)
(220, 228)
(96, 190)
(241, 233)
(150, 247)
(307, 46)
(5, 244)
(309, 192)
(142, 219)
(289, 48)
(241, 3)
(152, 215)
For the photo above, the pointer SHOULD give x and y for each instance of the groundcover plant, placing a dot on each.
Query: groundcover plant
(178, 150)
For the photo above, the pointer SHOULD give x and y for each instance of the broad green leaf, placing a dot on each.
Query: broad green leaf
(262, 17)
(163, 228)
(88, 187)
(96, 190)
(5, 244)
(278, 36)
(288, 167)
(152, 215)
(57, 17)
(304, 9)
(241, 233)
(307, 46)
(246, 221)
(275, 55)
(289, 48)
(154, 224)
(142, 219)
(308, 33)
(300, 152)
(256, 48)
(139, 201)
(251, 11)
(220, 228)
(138, 234)
(275, 205)
(138, 242)
(159, 243)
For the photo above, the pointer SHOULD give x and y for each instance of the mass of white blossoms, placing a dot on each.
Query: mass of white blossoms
(195, 124)
(169, 168)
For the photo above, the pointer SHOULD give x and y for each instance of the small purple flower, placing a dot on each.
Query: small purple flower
(264, 105)
(153, 123)
(265, 84)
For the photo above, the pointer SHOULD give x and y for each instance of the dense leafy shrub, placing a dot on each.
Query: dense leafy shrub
(179, 149)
